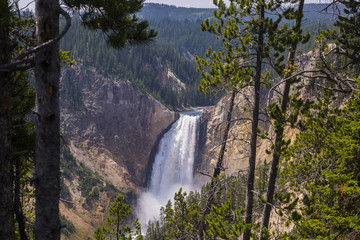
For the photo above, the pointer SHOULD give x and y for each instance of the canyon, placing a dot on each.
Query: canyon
(114, 132)
(110, 129)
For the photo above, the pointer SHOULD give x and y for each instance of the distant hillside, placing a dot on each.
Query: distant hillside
(155, 11)
(166, 67)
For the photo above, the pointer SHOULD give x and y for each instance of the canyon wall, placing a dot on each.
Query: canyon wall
(213, 121)
(110, 130)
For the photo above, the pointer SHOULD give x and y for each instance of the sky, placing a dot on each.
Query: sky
(179, 3)
(205, 3)
(186, 3)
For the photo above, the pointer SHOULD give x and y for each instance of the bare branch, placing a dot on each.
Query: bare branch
(20, 59)
(52, 41)
(11, 66)
(31, 2)
(205, 174)
(288, 79)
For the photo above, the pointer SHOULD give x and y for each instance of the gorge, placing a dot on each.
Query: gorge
(108, 141)
(117, 105)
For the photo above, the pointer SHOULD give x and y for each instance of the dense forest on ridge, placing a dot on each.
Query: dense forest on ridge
(174, 49)
(285, 71)
(179, 40)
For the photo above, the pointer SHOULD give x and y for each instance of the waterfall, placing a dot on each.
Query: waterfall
(173, 166)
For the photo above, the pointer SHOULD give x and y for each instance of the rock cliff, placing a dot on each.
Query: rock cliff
(213, 121)
(110, 129)
(110, 119)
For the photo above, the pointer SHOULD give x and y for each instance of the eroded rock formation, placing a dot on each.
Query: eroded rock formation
(110, 128)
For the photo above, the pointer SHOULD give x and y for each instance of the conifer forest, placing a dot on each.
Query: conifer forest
(124, 119)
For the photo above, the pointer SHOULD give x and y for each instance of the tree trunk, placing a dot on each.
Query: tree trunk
(17, 202)
(279, 135)
(218, 167)
(47, 168)
(254, 128)
(6, 173)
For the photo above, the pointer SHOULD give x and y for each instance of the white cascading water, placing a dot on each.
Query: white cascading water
(172, 168)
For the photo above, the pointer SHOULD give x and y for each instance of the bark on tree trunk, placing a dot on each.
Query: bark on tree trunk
(17, 202)
(6, 173)
(279, 136)
(254, 128)
(47, 168)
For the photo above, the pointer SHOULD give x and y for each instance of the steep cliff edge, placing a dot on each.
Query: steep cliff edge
(213, 121)
(110, 130)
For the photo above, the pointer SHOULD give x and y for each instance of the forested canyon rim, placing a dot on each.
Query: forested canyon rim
(110, 123)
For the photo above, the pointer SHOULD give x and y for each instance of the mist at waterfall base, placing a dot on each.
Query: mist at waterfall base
(172, 168)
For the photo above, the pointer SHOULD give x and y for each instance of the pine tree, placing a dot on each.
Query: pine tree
(320, 167)
(116, 19)
(279, 115)
(15, 142)
(23, 146)
(243, 28)
(6, 175)
(322, 171)
(116, 223)
(120, 30)
(47, 78)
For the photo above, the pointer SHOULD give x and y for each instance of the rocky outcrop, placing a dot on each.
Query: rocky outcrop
(167, 79)
(213, 121)
(111, 127)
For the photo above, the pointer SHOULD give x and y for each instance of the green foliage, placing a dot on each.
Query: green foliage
(23, 133)
(177, 42)
(64, 58)
(323, 167)
(67, 226)
(186, 215)
(21, 30)
(238, 31)
(320, 167)
(67, 163)
(162, 12)
(116, 227)
(184, 36)
(224, 223)
(236, 27)
(252, 33)
(23, 146)
(262, 175)
(90, 183)
(346, 36)
(180, 219)
(116, 19)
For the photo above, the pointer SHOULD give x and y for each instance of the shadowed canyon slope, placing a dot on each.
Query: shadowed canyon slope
(111, 120)
(110, 130)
